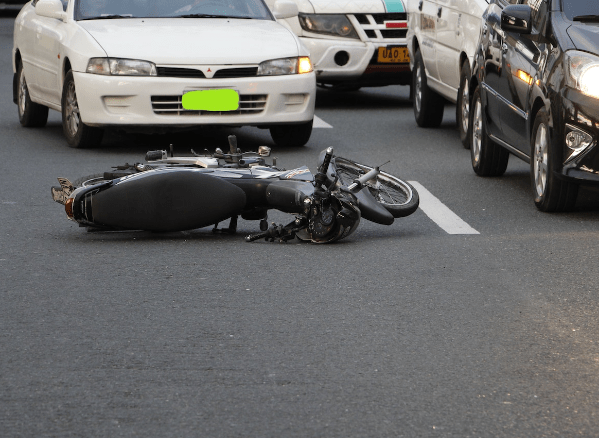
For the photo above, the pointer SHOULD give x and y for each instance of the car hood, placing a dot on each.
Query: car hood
(357, 6)
(585, 36)
(183, 41)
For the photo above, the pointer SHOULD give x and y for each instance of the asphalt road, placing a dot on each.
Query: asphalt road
(404, 330)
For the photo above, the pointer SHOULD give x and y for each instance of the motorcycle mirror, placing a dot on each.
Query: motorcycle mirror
(264, 151)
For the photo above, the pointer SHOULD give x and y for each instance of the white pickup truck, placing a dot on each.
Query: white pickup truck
(442, 39)
(354, 43)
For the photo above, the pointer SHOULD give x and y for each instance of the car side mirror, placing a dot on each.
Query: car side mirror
(50, 9)
(517, 18)
(285, 9)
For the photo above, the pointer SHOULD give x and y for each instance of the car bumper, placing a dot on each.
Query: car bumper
(581, 114)
(328, 57)
(156, 101)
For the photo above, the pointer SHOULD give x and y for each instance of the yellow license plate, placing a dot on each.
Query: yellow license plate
(393, 55)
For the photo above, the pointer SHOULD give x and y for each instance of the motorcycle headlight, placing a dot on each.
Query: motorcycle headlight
(285, 66)
(583, 72)
(121, 67)
(336, 25)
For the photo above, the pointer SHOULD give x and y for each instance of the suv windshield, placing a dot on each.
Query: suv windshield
(579, 9)
(109, 9)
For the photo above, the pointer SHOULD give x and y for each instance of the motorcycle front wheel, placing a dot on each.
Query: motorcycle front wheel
(398, 197)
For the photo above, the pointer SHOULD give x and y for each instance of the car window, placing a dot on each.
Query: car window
(577, 8)
(98, 9)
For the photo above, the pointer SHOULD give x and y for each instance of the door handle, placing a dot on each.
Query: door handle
(439, 11)
(420, 5)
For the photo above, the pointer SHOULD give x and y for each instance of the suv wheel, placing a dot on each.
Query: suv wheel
(463, 105)
(488, 158)
(551, 193)
(428, 105)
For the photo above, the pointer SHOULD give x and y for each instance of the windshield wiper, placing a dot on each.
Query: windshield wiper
(208, 16)
(590, 17)
(108, 17)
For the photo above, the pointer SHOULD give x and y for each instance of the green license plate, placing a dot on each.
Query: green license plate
(211, 100)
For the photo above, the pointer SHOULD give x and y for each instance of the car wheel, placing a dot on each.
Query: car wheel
(428, 105)
(78, 134)
(31, 114)
(463, 105)
(550, 192)
(291, 135)
(488, 158)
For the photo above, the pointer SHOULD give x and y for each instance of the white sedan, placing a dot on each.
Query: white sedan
(157, 65)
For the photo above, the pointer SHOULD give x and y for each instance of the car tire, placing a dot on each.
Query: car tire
(488, 158)
(463, 105)
(428, 105)
(551, 194)
(31, 114)
(292, 135)
(77, 133)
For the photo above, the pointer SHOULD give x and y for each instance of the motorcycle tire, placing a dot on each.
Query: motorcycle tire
(398, 197)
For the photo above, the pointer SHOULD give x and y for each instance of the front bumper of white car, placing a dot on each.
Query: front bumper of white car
(338, 60)
(156, 101)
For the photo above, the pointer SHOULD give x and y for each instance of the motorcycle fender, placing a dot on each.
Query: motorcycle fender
(167, 201)
(372, 210)
(288, 196)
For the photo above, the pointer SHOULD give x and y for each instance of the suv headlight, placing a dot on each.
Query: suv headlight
(121, 67)
(583, 72)
(336, 25)
(285, 66)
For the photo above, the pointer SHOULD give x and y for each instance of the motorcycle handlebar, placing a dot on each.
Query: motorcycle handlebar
(326, 161)
(358, 184)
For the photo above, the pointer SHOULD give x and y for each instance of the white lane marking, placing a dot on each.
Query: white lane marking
(319, 123)
(440, 213)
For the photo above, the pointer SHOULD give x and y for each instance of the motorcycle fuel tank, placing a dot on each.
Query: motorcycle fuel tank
(173, 200)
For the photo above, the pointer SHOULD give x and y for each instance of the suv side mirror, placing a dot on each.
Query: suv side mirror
(285, 9)
(50, 9)
(517, 18)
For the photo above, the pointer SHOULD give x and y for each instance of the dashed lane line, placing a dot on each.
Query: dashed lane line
(440, 213)
(319, 123)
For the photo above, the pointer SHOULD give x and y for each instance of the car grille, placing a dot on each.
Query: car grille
(374, 26)
(179, 72)
(172, 106)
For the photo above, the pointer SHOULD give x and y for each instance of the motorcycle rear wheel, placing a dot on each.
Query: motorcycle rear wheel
(397, 196)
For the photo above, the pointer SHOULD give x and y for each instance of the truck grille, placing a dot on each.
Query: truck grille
(374, 26)
(172, 106)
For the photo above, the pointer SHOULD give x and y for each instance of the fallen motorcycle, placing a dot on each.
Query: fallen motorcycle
(169, 193)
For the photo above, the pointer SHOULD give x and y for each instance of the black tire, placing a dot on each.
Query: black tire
(488, 158)
(292, 135)
(397, 196)
(428, 105)
(77, 133)
(31, 114)
(463, 105)
(551, 194)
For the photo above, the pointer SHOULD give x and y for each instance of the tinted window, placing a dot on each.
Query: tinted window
(90, 9)
(573, 8)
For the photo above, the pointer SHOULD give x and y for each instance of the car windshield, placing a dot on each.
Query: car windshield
(111, 9)
(582, 10)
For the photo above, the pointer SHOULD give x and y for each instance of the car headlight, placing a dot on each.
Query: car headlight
(121, 67)
(336, 25)
(285, 66)
(583, 72)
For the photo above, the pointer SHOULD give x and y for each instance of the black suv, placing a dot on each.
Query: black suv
(535, 94)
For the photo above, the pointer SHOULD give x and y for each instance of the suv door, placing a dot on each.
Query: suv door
(521, 58)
